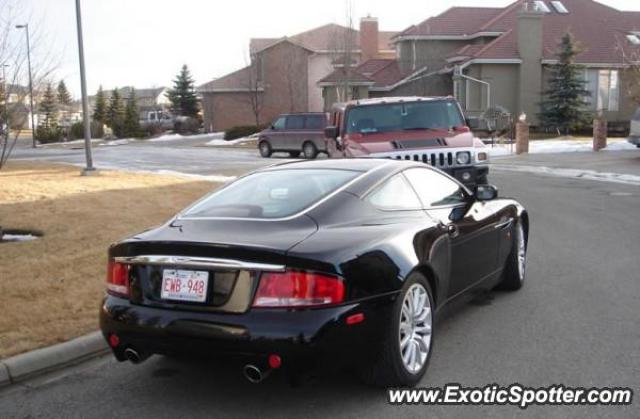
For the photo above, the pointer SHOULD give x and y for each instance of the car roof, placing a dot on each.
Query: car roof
(302, 114)
(384, 100)
(360, 165)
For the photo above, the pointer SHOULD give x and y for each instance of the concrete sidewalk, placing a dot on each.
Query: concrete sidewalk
(622, 162)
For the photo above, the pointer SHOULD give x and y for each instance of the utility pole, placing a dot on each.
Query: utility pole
(33, 124)
(89, 169)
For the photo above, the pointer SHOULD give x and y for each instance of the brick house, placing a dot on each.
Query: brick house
(283, 73)
(488, 57)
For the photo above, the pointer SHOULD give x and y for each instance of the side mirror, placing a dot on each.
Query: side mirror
(486, 192)
(472, 123)
(272, 127)
(331, 132)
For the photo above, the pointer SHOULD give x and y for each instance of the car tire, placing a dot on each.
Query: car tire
(387, 367)
(265, 149)
(515, 268)
(294, 154)
(309, 150)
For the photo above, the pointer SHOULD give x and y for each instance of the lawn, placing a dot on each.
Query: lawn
(50, 288)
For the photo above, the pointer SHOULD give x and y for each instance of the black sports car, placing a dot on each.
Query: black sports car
(309, 264)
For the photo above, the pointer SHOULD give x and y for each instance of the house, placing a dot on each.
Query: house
(490, 57)
(283, 73)
(17, 99)
(151, 99)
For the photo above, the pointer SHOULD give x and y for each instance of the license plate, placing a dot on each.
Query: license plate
(179, 285)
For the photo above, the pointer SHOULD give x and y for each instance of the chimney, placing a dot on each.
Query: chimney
(369, 38)
(530, 45)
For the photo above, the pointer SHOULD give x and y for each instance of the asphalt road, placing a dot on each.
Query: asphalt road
(186, 155)
(574, 323)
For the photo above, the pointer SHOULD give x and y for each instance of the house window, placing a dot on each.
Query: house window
(608, 90)
(634, 39)
(541, 6)
(560, 8)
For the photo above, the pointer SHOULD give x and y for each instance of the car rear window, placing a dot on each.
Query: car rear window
(272, 194)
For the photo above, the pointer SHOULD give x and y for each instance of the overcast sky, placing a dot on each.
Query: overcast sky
(144, 42)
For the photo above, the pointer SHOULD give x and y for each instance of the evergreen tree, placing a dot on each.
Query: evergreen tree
(565, 103)
(115, 113)
(131, 120)
(184, 101)
(48, 107)
(64, 97)
(100, 108)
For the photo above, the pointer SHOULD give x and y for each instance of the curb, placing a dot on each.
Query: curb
(23, 366)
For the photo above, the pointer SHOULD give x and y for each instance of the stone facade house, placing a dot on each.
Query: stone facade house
(284, 72)
(489, 57)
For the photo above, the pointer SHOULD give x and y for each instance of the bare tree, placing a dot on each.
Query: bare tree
(13, 57)
(252, 83)
(295, 81)
(343, 54)
(631, 77)
(631, 70)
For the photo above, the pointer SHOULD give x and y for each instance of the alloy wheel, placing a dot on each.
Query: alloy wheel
(522, 252)
(415, 328)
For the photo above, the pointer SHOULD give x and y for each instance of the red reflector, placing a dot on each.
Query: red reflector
(354, 319)
(274, 361)
(118, 279)
(298, 289)
(114, 340)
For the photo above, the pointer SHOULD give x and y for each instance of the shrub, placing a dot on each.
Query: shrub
(241, 131)
(153, 129)
(77, 130)
(187, 125)
(46, 135)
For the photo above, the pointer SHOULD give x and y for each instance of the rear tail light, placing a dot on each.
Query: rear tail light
(298, 289)
(118, 279)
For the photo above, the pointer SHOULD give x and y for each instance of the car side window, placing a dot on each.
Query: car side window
(435, 189)
(279, 124)
(295, 122)
(315, 122)
(394, 194)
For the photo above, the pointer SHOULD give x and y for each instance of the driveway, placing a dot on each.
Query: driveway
(575, 322)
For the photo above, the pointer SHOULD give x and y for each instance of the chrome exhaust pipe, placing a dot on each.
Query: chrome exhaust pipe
(254, 374)
(133, 356)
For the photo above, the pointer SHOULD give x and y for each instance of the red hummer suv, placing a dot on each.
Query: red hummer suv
(428, 129)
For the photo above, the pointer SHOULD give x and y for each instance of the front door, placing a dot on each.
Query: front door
(471, 228)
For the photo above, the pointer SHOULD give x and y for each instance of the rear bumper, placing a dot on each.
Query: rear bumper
(298, 336)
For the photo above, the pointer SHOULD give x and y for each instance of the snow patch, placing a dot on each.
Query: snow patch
(174, 137)
(210, 178)
(221, 142)
(558, 146)
(124, 141)
(18, 237)
(571, 173)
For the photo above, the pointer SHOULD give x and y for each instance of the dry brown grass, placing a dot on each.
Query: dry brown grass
(50, 288)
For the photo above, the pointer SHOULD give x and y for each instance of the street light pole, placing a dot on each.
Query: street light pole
(5, 99)
(85, 99)
(33, 124)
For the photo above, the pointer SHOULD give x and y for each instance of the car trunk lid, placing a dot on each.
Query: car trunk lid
(224, 257)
